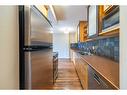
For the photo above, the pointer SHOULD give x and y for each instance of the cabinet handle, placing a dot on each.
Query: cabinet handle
(100, 81)
(96, 78)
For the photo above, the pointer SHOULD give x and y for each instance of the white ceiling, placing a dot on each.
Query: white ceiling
(69, 17)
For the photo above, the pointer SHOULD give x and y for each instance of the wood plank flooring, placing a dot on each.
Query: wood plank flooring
(67, 77)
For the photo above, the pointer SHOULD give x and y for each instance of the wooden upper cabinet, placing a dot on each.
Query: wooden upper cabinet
(100, 16)
(82, 31)
(108, 17)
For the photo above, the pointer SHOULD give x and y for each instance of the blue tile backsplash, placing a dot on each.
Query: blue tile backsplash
(107, 47)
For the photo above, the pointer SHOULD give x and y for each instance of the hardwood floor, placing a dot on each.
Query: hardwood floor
(67, 77)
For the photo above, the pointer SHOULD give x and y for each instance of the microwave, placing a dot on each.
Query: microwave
(111, 19)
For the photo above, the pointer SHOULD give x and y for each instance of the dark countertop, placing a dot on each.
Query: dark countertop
(107, 68)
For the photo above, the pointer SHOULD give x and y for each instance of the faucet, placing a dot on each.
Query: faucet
(94, 49)
(89, 51)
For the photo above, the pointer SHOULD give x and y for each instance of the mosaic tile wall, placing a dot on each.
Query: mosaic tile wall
(108, 47)
(74, 45)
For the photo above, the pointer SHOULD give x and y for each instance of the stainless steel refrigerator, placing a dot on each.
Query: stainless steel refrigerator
(36, 66)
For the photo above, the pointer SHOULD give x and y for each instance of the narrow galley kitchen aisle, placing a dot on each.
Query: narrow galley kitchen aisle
(67, 76)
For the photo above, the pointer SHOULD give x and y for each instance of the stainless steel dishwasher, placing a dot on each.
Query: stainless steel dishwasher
(95, 81)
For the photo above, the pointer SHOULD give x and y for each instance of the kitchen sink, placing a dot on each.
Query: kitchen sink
(85, 53)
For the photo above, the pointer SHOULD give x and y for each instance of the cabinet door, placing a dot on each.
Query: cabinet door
(77, 66)
(82, 31)
(83, 74)
(81, 68)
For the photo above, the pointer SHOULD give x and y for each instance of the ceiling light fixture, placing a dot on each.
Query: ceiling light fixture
(51, 32)
(66, 31)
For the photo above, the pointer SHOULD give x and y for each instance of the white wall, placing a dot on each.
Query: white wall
(73, 37)
(61, 44)
(9, 63)
(123, 47)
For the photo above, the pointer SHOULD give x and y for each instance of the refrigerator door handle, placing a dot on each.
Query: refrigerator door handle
(27, 49)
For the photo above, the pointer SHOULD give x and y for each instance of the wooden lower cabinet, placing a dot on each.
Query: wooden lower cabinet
(89, 78)
(72, 56)
(81, 69)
